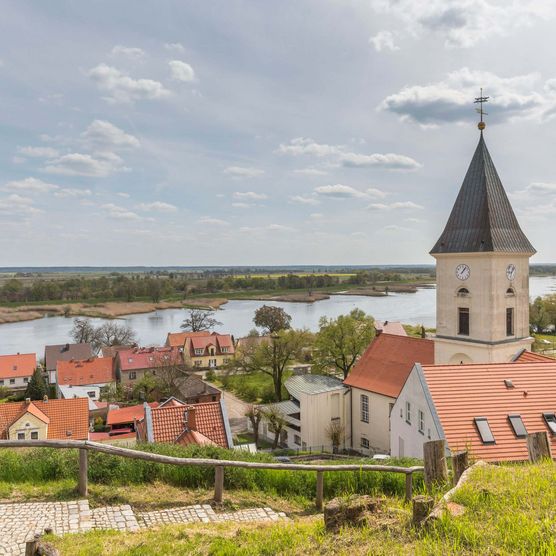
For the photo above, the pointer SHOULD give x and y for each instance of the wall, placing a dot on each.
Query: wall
(20, 383)
(377, 430)
(411, 438)
(35, 424)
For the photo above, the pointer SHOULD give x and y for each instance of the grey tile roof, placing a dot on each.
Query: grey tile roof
(312, 384)
(66, 352)
(287, 407)
(482, 219)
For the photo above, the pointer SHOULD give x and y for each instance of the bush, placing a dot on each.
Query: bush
(210, 375)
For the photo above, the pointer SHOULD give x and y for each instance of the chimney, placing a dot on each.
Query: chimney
(66, 347)
(27, 401)
(45, 398)
(189, 422)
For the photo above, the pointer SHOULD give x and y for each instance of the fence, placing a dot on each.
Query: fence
(219, 465)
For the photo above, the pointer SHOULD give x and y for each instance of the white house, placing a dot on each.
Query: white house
(316, 403)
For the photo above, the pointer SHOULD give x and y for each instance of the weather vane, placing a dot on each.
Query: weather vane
(479, 100)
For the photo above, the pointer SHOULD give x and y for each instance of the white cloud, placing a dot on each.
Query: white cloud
(120, 213)
(303, 200)
(450, 100)
(316, 215)
(383, 40)
(306, 145)
(395, 228)
(130, 51)
(102, 135)
(79, 164)
(310, 172)
(238, 172)
(38, 152)
(400, 205)
(209, 221)
(174, 46)
(242, 205)
(374, 192)
(338, 191)
(464, 23)
(157, 206)
(280, 228)
(32, 185)
(389, 160)
(123, 194)
(17, 205)
(250, 195)
(121, 88)
(72, 192)
(181, 71)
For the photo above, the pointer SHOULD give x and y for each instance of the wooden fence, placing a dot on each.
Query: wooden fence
(219, 465)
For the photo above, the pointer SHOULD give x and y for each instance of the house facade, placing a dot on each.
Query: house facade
(131, 365)
(64, 352)
(16, 370)
(203, 350)
(95, 371)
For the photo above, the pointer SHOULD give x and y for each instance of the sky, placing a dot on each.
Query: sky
(234, 132)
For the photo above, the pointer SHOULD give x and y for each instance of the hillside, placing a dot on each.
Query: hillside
(508, 510)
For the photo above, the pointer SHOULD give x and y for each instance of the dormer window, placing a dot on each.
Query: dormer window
(199, 351)
(224, 349)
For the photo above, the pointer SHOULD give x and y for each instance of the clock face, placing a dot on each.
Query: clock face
(510, 271)
(462, 272)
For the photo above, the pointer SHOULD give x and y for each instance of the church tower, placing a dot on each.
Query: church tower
(482, 272)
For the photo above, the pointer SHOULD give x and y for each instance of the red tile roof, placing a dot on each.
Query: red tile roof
(98, 370)
(177, 339)
(127, 414)
(390, 327)
(462, 392)
(65, 416)
(219, 341)
(386, 363)
(65, 352)
(17, 366)
(531, 357)
(168, 423)
(148, 358)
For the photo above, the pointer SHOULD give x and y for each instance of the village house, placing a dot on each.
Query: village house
(45, 420)
(122, 420)
(317, 403)
(203, 350)
(375, 383)
(390, 327)
(64, 352)
(132, 364)
(16, 370)
(95, 371)
(192, 389)
(487, 409)
(205, 424)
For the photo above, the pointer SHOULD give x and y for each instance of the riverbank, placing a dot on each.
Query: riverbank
(108, 310)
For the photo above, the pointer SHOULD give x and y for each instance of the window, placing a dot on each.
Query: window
(132, 375)
(199, 351)
(463, 321)
(21, 436)
(408, 412)
(226, 360)
(364, 443)
(550, 419)
(91, 394)
(518, 426)
(421, 422)
(224, 349)
(364, 408)
(26, 380)
(509, 321)
(34, 435)
(297, 440)
(484, 430)
(463, 292)
(198, 363)
(12, 380)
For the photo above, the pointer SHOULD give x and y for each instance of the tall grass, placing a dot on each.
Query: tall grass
(44, 464)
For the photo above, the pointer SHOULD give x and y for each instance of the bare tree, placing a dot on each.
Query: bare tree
(170, 372)
(113, 334)
(83, 331)
(276, 423)
(335, 433)
(200, 320)
(255, 415)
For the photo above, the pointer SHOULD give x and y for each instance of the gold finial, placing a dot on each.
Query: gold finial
(479, 100)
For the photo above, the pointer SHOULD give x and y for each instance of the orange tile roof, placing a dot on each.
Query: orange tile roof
(462, 392)
(530, 356)
(390, 327)
(194, 437)
(127, 414)
(98, 370)
(177, 339)
(386, 363)
(148, 358)
(16, 366)
(168, 422)
(65, 415)
(34, 410)
(219, 341)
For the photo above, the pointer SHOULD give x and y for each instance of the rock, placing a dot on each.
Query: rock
(350, 511)
(455, 509)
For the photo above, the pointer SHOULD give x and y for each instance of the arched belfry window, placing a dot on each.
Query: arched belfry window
(510, 291)
(463, 292)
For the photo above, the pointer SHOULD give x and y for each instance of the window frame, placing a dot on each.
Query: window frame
(510, 321)
(464, 326)
(364, 440)
(364, 411)
(36, 433)
(132, 375)
(550, 420)
(483, 432)
(517, 425)
(408, 412)
(421, 421)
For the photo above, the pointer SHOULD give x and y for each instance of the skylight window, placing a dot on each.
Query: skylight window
(484, 430)
(550, 419)
(517, 425)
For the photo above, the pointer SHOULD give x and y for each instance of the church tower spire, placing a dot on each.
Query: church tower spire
(482, 268)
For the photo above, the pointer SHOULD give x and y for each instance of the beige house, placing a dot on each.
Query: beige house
(203, 350)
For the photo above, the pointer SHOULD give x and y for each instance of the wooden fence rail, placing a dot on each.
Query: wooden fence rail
(219, 464)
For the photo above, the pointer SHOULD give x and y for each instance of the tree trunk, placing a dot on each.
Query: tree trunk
(276, 438)
(278, 386)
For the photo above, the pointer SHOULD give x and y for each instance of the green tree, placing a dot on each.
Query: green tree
(341, 341)
(272, 319)
(36, 389)
(145, 388)
(539, 312)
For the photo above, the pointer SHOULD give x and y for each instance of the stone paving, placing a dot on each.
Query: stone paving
(20, 522)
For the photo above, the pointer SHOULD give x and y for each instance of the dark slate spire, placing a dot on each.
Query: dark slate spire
(482, 218)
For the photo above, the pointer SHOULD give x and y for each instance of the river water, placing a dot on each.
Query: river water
(237, 317)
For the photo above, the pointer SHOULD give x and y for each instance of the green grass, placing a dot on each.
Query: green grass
(508, 510)
(251, 387)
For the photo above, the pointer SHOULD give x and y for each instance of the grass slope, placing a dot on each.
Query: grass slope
(509, 510)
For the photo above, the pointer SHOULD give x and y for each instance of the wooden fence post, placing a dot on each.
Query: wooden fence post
(436, 470)
(422, 507)
(83, 472)
(31, 546)
(538, 446)
(218, 483)
(320, 490)
(460, 462)
(408, 486)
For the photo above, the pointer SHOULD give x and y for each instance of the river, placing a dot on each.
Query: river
(237, 317)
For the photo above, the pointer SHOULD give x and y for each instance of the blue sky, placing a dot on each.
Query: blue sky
(236, 132)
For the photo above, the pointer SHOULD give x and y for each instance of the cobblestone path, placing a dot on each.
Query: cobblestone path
(20, 522)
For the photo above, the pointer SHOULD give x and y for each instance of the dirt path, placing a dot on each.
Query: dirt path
(236, 409)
